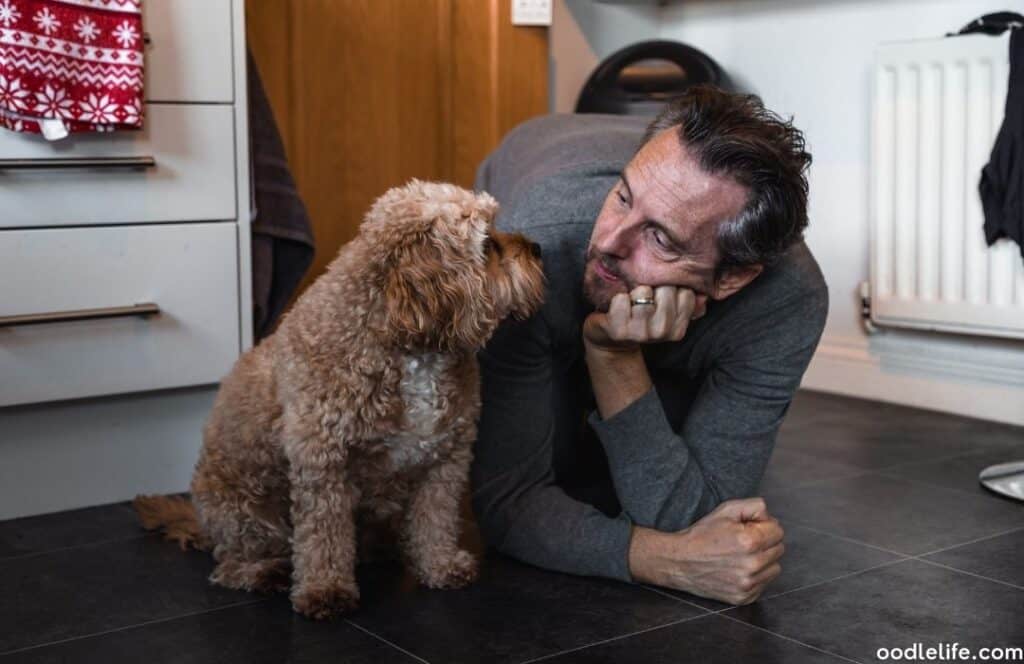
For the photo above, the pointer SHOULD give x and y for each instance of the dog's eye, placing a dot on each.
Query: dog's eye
(490, 245)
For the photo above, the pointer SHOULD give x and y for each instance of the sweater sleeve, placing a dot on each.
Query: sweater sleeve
(520, 509)
(666, 479)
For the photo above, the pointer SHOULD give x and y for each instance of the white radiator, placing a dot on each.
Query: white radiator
(938, 105)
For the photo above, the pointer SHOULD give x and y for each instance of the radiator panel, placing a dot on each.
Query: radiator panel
(938, 105)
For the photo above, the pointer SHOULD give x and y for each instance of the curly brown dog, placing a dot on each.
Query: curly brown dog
(360, 408)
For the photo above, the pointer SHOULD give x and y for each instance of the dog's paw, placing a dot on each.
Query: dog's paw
(264, 576)
(324, 602)
(458, 571)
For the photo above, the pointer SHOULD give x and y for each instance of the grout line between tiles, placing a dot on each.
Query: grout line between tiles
(614, 638)
(661, 592)
(836, 578)
(963, 571)
(21, 556)
(946, 457)
(381, 638)
(841, 537)
(973, 541)
(914, 480)
(136, 625)
(857, 472)
(816, 483)
(789, 638)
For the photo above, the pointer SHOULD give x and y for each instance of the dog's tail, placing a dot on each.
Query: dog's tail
(175, 516)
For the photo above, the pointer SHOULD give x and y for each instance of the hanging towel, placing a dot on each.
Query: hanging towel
(1002, 179)
(282, 239)
(70, 65)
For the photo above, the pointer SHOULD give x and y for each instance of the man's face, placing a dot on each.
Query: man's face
(658, 225)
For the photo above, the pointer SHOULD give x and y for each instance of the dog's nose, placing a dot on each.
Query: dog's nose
(535, 249)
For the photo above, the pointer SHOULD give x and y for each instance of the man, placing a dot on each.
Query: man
(625, 426)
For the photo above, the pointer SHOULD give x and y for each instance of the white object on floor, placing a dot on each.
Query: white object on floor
(1006, 479)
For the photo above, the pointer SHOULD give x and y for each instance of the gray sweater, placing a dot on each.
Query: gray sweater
(553, 484)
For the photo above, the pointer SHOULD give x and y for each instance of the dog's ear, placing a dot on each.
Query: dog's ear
(432, 239)
(435, 300)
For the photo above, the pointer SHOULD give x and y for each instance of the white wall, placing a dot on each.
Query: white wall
(811, 59)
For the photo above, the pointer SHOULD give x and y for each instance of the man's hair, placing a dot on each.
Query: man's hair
(734, 135)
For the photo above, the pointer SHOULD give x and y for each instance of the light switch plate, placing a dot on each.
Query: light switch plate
(531, 12)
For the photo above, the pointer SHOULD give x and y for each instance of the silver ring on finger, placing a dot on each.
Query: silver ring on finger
(641, 300)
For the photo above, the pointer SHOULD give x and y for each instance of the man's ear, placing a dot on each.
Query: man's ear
(734, 279)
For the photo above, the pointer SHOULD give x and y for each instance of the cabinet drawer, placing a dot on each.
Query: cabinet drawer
(189, 54)
(190, 271)
(193, 178)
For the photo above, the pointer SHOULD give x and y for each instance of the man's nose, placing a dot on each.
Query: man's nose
(615, 241)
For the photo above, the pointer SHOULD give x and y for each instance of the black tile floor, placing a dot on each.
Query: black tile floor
(890, 542)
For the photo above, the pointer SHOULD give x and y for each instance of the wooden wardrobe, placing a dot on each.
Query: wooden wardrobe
(371, 93)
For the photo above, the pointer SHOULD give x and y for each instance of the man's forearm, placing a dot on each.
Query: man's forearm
(658, 483)
(618, 378)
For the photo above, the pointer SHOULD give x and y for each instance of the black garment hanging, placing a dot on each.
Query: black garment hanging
(282, 235)
(1002, 179)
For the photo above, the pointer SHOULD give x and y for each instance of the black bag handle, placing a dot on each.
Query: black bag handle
(995, 23)
(698, 67)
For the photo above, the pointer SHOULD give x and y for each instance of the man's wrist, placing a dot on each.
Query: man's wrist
(618, 378)
(644, 554)
(612, 355)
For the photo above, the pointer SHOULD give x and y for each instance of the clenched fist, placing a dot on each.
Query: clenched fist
(730, 555)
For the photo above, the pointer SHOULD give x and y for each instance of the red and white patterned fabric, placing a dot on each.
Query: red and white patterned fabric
(76, 61)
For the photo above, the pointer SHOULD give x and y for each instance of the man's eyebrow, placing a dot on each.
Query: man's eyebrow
(681, 245)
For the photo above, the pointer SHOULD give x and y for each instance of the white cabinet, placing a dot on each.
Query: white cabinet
(184, 170)
(96, 410)
(187, 272)
(189, 51)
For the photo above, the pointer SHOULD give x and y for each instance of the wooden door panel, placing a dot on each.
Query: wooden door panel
(371, 93)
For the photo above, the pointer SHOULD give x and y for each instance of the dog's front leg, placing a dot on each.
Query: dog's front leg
(431, 528)
(323, 505)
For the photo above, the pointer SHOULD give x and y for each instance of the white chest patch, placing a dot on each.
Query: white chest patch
(419, 441)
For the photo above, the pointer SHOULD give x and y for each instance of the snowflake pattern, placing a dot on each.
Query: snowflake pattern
(86, 29)
(8, 13)
(53, 103)
(126, 34)
(100, 91)
(14, 124)
(132, 112)
(97, 109)
(46, 21)
(12, 95)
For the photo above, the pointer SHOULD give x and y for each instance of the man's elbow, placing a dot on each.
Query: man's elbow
(674, 514)
(493, 511)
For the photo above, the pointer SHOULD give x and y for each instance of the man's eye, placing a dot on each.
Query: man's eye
(622, 198)
(660, 238)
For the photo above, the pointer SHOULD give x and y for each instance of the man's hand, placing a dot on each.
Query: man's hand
(613, 340)
(730, 555)
(627, 326)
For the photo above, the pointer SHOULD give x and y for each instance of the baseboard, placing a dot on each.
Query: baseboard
(948, 375)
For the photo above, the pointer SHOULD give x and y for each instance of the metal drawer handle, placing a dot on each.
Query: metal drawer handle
(77, 162)
(143, 309)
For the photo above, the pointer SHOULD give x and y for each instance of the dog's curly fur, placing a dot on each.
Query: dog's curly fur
(360, 408)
